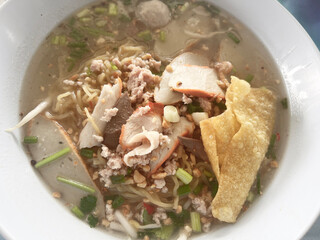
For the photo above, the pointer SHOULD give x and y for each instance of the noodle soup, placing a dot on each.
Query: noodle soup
(130, 93)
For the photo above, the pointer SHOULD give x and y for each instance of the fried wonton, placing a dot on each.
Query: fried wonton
(236, 142)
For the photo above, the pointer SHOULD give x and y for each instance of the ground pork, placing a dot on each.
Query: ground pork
(97, 66)
(160, 214)
(109, 212)
(138, 79)
(199, 205)
(186, 99)
(108, 114)
(205, 104)
(159, 183)
(170, 167)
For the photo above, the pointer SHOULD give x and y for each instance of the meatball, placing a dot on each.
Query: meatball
(154, 13)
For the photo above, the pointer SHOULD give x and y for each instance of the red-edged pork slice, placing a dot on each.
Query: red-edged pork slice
(150, 140)
(51, 139)
(108, 98)
(161, 154)
(164, 93)
(141, 118)
(199, 81)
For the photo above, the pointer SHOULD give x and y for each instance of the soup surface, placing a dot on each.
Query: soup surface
(145, 126)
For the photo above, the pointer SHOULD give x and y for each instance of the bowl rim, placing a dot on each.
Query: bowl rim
(298, 59)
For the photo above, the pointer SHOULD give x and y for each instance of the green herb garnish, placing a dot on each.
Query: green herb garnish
(100, 10)
(233, 37)
(194, 107)
(117, 179)
(76, 184)
(270, 153)
(184, 176)
(92, 220)
(213, 187)
(53, 157)
(30, 139)
(198, 189)
(76, 211)
(145, 35)
(147, 218)
(249, 78)
(184, 190)
(162, 36)
(195, 221)
(164, 232)
(258, 184)
(117, 201)
(88, 203)
(284, 103)
(179, 219)
(85, 152)
(113, 9)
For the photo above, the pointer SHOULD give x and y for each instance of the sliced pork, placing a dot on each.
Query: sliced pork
(108, 98)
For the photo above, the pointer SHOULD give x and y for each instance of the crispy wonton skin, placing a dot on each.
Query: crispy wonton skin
(236, 142)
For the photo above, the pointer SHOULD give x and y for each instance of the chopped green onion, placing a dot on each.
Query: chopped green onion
(124, 18)
(30, 139)
(59, 40)
(76, 184)
(258, 184)
(213, 187)
(101, 23)
(233, 37)
(85, 152)
(207, 173)
(184, 176)
(117, 179)
(113, 66)
(270, 153)
(85, 12)
(195, 221)
(184, 7)
(164, 232)
(198, 189)
(129, 171)
(162, 36)
(194, 107)
(86, 19)
(113, 9)
(221, 105)
(117, 201)
(76, 211)
(145, 35)
(77, 45)
(249, 78)
(126, 2)
(100, 10)
(179, 219)
(147, 218)
(97, 32)
(250, 197)
(92, 220)
(53, 157)
(284, 103)
(184, 190)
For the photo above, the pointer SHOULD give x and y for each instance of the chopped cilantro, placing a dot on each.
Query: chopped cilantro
(117, 179)
(117, 202)
(284, 103)
(92, 220)
(164, 232)
(213, 187)
(88, 203)
(179, 219)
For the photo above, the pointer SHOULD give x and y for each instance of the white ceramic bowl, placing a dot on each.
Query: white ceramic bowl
(288, 206)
